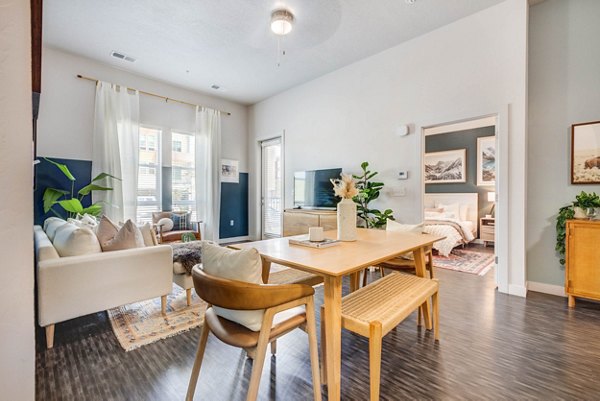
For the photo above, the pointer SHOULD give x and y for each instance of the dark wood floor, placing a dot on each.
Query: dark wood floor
(493, 346)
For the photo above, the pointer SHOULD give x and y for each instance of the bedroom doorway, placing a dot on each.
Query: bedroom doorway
(460, 175)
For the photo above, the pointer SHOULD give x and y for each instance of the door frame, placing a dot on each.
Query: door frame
(259, 142)
(501, 245)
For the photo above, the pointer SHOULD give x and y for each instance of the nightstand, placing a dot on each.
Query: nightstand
(487, 230)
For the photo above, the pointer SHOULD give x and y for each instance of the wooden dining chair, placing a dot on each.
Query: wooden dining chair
(287, 307)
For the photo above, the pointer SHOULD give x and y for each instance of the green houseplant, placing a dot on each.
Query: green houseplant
(368, 191)
(583, 201)
(69, 202)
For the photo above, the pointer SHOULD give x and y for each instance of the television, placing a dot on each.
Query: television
(313, 189)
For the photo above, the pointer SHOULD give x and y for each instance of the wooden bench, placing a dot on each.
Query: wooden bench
(374, 310)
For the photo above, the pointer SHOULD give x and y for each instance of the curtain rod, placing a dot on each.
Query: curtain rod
(167, 99)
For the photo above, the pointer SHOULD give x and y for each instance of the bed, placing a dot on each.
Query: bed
(452, 215)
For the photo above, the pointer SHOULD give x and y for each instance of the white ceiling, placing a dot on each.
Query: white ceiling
(228, 42)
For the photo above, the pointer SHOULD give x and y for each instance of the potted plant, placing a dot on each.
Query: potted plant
(368, 191)
(69, 202)
(584, 206)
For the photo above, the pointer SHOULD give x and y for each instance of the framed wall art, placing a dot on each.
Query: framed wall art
(585, 153)
(230, 170)
(486, 160)
(446, 167)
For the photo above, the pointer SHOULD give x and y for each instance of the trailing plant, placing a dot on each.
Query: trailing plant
(368, 191)
(584, 201)
(70, 203)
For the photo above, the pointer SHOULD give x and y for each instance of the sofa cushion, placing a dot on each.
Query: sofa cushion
(404, 228)
(106, 230)
(127, 237)
(51, 225)
(244, 265)
(71, 240)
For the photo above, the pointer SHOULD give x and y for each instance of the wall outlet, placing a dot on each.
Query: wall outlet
(231, 223)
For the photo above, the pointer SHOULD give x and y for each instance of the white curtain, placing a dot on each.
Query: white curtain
(208, 166)
(115, 148)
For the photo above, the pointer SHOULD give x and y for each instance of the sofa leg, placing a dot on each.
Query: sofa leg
(188, 295)
(163, 304)
(50, 336)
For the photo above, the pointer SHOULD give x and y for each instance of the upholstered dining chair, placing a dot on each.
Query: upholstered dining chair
(283, 313)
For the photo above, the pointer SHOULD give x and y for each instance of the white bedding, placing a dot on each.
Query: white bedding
(453, 238)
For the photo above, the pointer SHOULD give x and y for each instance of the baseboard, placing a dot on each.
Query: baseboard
(478, 241)
(233, 239)
(544, 288)
(518, 290)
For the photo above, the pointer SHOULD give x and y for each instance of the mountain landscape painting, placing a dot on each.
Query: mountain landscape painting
(445, 167)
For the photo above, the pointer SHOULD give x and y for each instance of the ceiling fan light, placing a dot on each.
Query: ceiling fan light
(281, 22)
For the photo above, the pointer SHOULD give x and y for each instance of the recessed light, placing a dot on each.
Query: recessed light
(410, 1)
(215, 87)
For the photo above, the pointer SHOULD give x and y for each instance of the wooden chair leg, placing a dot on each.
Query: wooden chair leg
(188, 296)
(163, 304)
(324, 346)
(50, 336)
(382, 272)
(273, 347)
(436, 316)
(420, 316)
(311, 329)
(375, 339)
(259, 360)
(197, 363)
(365, 277)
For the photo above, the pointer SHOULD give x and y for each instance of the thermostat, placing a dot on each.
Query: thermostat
(403, 175)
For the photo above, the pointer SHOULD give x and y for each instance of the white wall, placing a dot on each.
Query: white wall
(17, 346)
(66, 118)
(350, 115)
(564, 89)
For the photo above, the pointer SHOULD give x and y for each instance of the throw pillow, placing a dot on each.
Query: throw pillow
(128, 237)
(50, 220)
(148, 234)
(181, 221)
(404, 228)
(52, 226)
(452, 210)
(244, 265)
(71, 240)
(106, 230)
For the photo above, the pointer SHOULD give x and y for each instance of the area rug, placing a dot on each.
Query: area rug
(465, 261)
(142, 323)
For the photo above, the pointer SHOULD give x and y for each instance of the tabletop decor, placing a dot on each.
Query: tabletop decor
(346, 189)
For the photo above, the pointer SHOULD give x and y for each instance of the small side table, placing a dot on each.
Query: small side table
(487, 230)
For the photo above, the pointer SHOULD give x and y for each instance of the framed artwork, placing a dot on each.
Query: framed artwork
(230, 171)
(486, 160)
(446, 167)
(585, 153)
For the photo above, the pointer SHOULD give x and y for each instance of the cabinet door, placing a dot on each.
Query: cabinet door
(583, 259)
(329, 221)
(297, 223)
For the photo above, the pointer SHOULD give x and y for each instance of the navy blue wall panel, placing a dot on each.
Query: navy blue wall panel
(48, 175)
(234, 206)
(234, 197)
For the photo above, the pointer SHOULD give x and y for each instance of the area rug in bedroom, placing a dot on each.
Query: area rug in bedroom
(142, 323)
(465, 261)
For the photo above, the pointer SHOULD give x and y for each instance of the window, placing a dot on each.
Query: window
(148, 193)
(183, 172)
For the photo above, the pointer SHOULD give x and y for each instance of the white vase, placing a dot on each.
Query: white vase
(579, 213)
(346, 220)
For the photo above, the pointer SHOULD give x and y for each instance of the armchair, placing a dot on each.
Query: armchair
(166, 234)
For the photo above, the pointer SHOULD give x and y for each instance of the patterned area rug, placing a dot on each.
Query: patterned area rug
(142, 323)
(465, 261)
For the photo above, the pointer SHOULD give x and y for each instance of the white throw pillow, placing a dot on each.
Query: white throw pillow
(148, 234)
(71, 240)
(404, 228)
(50, 220)
(165, 224)
(52, 226)
(452, 210)
(244, 265)
(434, 215)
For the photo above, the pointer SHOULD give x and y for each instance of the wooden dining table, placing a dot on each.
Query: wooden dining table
(335, 262)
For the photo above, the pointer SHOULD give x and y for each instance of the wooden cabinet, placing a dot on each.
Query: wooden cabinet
(582, 272)
(297, 221)
(487, 230)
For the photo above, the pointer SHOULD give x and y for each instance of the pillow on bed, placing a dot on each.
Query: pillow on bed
(452, 210)
(464, 211)
(435, 215)
(404, 228)
(434, 210)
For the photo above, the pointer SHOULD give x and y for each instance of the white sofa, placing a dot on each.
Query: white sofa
(74, 286)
